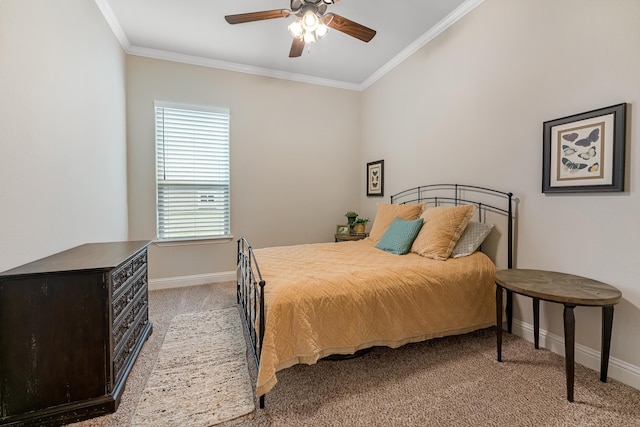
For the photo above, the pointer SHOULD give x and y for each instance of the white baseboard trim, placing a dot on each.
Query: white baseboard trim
(194, 280)
(618, 369)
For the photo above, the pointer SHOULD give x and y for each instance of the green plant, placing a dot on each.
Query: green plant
(361, 220)
(351, 214)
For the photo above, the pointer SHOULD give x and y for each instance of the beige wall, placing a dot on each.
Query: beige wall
(294, 159)
(469, 108)
(62, 129)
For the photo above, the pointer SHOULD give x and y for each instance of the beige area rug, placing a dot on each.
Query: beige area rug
(201, 376)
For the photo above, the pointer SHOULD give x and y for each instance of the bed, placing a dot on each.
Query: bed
(305, 302)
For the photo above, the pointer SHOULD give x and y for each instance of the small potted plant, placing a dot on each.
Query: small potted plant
(360, 225)
(351, 217)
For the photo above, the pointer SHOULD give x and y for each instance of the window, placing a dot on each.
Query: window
(192, 168)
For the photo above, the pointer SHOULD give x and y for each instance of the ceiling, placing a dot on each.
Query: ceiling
(195, 32)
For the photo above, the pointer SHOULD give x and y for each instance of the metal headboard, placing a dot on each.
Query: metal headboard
(485, 199)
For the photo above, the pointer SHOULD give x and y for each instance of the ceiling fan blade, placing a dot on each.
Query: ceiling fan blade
(241, 18)
(349, 27)
(297, 47)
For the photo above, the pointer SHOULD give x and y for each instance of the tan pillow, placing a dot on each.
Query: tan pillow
(443, 226)
(388, 212)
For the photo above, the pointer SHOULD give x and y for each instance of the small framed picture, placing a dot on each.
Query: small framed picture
(585, 152)
(343, 230)
(375, 178)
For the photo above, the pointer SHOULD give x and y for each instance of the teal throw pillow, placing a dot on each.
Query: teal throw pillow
(400, 236)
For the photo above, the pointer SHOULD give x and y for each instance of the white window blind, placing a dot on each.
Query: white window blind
(192, 163)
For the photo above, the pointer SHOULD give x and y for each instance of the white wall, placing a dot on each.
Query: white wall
(62, 129)
(469, 107)
(294, 160)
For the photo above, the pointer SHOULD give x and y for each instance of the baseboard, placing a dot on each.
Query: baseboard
(618, 369)
(194, 280)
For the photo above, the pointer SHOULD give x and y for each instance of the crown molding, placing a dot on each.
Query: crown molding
(113, 23)
(434, 32)
(241, 68)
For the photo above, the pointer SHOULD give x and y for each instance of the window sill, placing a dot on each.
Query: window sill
(191, 242)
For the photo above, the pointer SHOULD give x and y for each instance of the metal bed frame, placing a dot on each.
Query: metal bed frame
(250, 284)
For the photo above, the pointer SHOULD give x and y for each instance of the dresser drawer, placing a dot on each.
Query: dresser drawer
(122, 274)
(133, 287)
(139, 261)
(122, 324)
(122, 327)
(131, 338)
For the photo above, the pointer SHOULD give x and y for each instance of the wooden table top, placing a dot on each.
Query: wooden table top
(558, 287)
(351, 236)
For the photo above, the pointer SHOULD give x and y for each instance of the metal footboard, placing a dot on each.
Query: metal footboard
(250, 296)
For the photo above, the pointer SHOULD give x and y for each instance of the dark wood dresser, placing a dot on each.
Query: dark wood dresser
(71, 327)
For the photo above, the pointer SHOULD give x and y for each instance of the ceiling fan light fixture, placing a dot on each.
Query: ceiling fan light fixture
(322, 30)
(310, 20)
(296, 29)
(308, 28)
(309, 37)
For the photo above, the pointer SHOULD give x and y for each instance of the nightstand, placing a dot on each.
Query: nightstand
(354, 236)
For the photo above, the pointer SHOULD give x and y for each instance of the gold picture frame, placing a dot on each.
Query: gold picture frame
(343, 230)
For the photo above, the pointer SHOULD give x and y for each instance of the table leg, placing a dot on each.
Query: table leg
(569, 347)
(607, 326)
(499, 320)
(509, 310)
(536, 323)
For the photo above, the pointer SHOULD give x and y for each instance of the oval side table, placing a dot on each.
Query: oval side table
(566, 289)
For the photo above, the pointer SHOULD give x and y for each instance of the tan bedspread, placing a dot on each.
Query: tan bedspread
(336, 298)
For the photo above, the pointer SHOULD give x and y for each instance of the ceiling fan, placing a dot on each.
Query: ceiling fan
(311, 24)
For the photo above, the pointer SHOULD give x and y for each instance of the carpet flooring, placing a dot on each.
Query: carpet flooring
(453, 381)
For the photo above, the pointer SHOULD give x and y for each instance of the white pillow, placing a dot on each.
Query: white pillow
(471, 239)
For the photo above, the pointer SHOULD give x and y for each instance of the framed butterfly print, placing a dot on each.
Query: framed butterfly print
(585, 152)
(375, 178)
